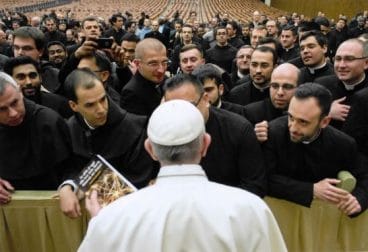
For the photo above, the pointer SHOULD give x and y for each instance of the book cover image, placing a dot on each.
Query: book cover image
(99, 175)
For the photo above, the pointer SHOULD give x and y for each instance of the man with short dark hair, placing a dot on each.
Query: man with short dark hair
(99, 126)
(191, 57)
(211, 77)
(34, 143)
(52, 33)
(243, 56)
(313, 47)
(232, 28)
(288, 39)
(116, 31)
(223, 53)
(262, 63)
(57, 53)
(304, 155)
(26, 72)
(30, 41)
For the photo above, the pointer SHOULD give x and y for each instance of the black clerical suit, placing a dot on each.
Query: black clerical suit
(262, 110)
(120, 141)
(338, 90)
(290, 53)
(140, 96)
(232, 107)
(309, 75)
(53, 101)
(247, 93)
(293, 168)
(234, 157)
(35, 153)
(356, 124)
(222, 56)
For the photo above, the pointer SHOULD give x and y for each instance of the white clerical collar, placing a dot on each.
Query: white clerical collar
(88, 125)
(288, 49)
(352, 86)
(219, 104)
(240, 75)
(313, 138)
(313, 69)
(259, 87)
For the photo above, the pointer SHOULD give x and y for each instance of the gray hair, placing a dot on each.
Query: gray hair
(6, 80)
(180, 154)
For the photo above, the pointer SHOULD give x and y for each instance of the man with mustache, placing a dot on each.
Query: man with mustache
(262, 63)
(27, 73)
(57, 53)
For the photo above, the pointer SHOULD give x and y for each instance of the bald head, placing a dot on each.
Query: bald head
(289, 70)
(284, 80)
(148, 44)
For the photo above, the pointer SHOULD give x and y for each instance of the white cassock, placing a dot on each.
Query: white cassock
(183, 211)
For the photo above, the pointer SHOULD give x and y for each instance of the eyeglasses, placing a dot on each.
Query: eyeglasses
(348, 59)
(284, 86)
(198, 101)
(156, 64)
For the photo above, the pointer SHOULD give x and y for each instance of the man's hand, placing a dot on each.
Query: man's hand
(92, 205)
(339, 111)
(5, 191)
(349, 205)
(326, 190)
(261, 130)
(87, 48)
(69, 202)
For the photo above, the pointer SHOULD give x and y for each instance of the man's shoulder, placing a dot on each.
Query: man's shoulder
(229, 119)
(327, 80)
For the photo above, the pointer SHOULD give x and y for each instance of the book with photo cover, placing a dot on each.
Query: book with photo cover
(101, 176)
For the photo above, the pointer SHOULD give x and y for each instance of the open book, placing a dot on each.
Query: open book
(99, 175)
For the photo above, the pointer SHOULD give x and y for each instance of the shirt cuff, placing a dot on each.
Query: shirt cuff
(70, 182)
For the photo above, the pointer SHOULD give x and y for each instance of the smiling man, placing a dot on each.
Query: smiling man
(142, 94)
(304, 155)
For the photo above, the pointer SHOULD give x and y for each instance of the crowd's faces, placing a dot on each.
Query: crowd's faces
(153, 65)
(282, 88)
(324, 29)
(155, 25)
(118, 23)
(231, 32)
(311, 52)
(28, 79)
(304, 119)
(187, 92)
(256, 17)
(15, 25)
(245, 31)
(90, 63)
(189, 60)
(129, 50)
(69, 35)
(221, 37)
(340, 24)
(57, 54)
(178, 27)
(350, 63)
(62, 27)
(26, 47)
(12, 110)
(287, 39)
(256, 36)
(261, 66)
(187, 34)
(132, 28)
(147, 23)
(200, 31)
(2, 37)
(271, 28)
(91, 28)
(92, 104)
(213, 91)
(243, 57)
(50, 25)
